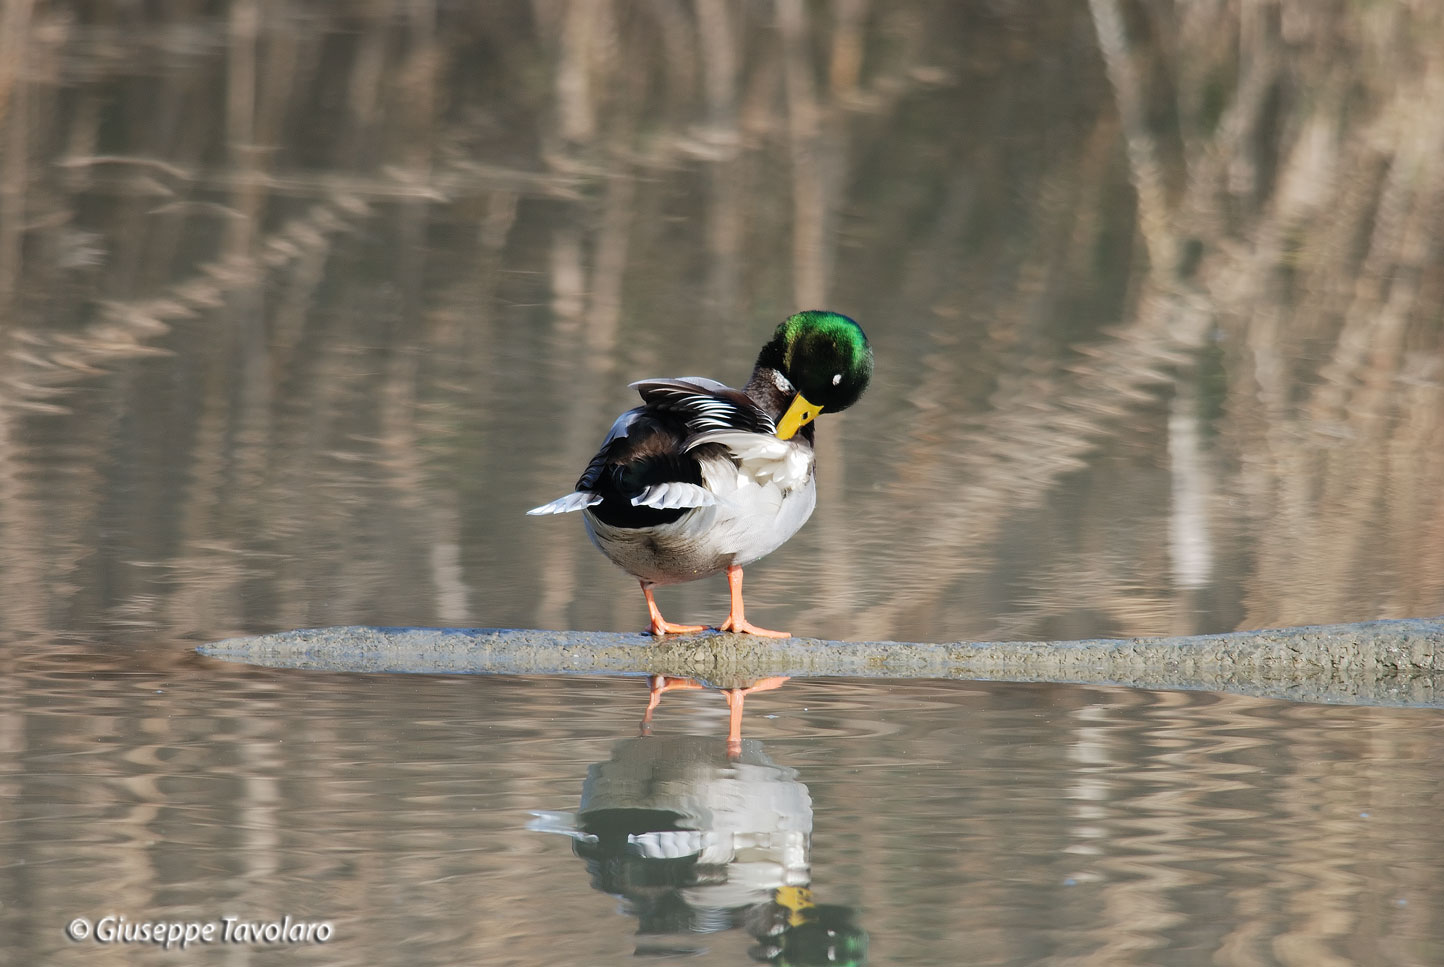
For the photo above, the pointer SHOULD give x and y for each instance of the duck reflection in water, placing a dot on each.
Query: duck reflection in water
(662, 684)
(697, 839)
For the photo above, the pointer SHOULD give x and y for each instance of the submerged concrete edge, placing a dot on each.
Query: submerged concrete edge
(1394, 662)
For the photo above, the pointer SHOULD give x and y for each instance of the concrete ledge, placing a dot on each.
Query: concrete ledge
(1375, 662)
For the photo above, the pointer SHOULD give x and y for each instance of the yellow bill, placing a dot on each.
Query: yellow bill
(798, 415)
(798, 902)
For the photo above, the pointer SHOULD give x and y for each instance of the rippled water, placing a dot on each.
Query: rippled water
(486, 820)
(303, 308)
(303, 305)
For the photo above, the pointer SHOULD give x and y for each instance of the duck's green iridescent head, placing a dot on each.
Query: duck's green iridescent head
(827, 359)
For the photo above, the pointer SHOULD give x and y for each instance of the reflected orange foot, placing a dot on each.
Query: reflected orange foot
(660, 684)
(765, 684)
(735, 699)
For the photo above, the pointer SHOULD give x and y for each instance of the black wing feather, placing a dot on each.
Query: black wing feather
(648, 452)
(704, 407)
(648, 445)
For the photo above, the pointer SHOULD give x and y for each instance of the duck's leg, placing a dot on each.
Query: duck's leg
(735, 698)
(660, 625)
(737, 619)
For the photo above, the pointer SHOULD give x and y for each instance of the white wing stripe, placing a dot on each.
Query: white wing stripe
(703, 410)
(579, 500)
(673, 494)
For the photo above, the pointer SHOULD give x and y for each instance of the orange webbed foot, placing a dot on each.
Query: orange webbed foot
(737, 618)
(744, 627)
(660, 626)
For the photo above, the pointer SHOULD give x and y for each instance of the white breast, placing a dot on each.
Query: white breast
(759, 505)
(759, 508)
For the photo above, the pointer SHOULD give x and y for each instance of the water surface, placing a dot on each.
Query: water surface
(1024, 824)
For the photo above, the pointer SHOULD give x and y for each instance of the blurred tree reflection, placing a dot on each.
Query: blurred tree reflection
(302, 304)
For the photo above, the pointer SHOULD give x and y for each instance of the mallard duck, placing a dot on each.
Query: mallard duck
(703, 478)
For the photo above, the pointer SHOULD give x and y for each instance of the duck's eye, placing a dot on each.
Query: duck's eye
(836, 378)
